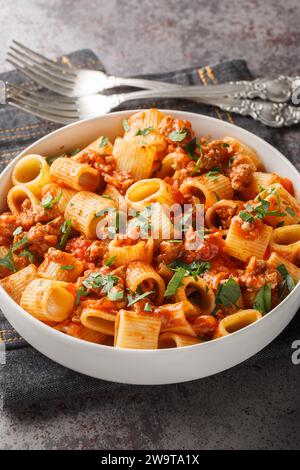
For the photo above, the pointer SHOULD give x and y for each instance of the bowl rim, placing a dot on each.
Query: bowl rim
(70, 340)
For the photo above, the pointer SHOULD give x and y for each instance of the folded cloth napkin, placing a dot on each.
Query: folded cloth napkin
(29, 376)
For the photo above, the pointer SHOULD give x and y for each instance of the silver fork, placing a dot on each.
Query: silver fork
(68, 110)
(74, 82)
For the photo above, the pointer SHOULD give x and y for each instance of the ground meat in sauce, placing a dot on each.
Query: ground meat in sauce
(169, 251)
(209, 249)
(214, 155)
(42, 237)
(225, 215)
(89, 251)
(257, 274)
(29, 216)
(8, 224)
(104, 163)
(240, 176)
(169, 125)
(120, 180)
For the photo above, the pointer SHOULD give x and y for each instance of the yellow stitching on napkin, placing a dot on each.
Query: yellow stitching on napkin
(211, 75)
(205, 83)
(27, 128)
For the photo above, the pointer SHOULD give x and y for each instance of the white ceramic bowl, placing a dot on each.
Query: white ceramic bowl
(150, 366)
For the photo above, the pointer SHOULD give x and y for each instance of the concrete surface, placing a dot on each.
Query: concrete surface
(256, 408)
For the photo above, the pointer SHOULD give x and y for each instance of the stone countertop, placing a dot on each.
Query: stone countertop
(241, 408)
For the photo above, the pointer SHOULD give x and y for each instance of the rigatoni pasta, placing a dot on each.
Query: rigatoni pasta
(158, 239)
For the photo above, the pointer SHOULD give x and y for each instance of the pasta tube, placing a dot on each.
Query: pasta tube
(173, 340)
(198, 293)
(60, 266)
(286, 241)
(136, 331)
(16, 197)
(241, 149)
(174, 318)
(16, 283)
(135, 157)
(241, 246)
(101, 146)
(80, 176)
(143, 193)
(206, 189)
(276, 260)
(282, 202)
(86, 210)
(32, 172)
(258, 182)
(142, 274)
(219, 215)
(48, 300)
(137, 250)
(236, 322)
(60, 194)
(98, 320)
(81, 332)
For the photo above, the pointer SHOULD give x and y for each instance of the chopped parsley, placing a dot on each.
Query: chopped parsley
(196, 268)
(8, 262)
(20, 243)
(287, 283)
(28, 254)
(65, 230)
(147, 307)
(213, 173)
(145, 131)
(199, 161)
(74, 152)
(111, 260)
(175, 282)
(190, 148)
(99, 281)
(116, 295)
(290, 211)
(228, 293)
(103, 142)
(81, 292)
(178, 136)
(18, 230)
(67, 267)
(246, 217)
(126, 126)
(50, 160)
(50, 201)
(262, 301)
(135, 298)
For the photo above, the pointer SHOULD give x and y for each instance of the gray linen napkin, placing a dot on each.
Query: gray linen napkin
(28, 376)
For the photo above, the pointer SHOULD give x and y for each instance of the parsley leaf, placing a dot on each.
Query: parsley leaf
(8, 262)
(288, 281)
(81, 292)
(178, 136)
(116, 295)
(228, 293)
(290, 211)
(98, 281)
(246, 217)
(190, 148)
(50, 201)
(65, 230)
(18, 230)
(196, 268)
(103, 142)
(147, 307)
(111, 260)
(175, 282)
(28, 254)
(126, 126)
(145, 131)
(19, 244)
(135, 298)
(213, 173)
(66, 267)
(262, 301)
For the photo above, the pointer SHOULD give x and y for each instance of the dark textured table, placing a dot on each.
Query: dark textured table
(253, 408)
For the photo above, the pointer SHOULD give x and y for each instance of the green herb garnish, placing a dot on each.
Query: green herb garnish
(19, 244)
(228, 293)
(175, 282)
(147, 307)
(18, 231)
(178, 136)
(50, 201)
(99, 281)
(135, 298)
(8, 262)
(81, 292)
(67, 267)
(28, 254)
(145, 131)
(214, 173)
(65, 230)
(116, 295)
(262, 301)
(126, 126)
(103, 142)
(110, 260)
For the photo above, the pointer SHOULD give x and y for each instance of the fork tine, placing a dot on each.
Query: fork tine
(41, 112)
(46, 107)
(36, 94)
(52, 107)
(23, 58)
(42, 58)
(61, 90)
(41, 72)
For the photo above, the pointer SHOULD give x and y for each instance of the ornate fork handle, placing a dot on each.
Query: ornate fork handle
(270, 114)
(278, 90)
